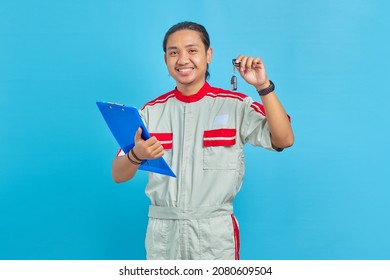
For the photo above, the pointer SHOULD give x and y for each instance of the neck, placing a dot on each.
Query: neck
(190, 89)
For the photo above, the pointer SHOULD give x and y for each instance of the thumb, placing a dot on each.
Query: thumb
(137, 136)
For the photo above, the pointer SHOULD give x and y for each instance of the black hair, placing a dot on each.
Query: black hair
(188, 25)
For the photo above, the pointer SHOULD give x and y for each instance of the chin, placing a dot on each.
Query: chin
(185, 81)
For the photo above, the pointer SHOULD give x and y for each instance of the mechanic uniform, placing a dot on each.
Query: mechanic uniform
(203, 135)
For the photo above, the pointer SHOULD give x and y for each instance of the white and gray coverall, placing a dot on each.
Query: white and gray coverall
(203, 135)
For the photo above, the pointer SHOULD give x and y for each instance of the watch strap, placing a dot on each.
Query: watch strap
(265, 91)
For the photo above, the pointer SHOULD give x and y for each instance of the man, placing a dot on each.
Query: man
(201, 131)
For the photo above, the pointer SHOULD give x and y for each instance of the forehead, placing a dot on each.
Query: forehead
(184, 38)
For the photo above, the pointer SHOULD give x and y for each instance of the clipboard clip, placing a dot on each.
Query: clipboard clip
(116, 104)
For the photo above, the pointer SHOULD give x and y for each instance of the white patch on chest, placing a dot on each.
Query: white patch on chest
(221, 120)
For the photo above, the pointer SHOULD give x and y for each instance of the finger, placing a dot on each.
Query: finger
(152, 140)
(257, 63)
(243, 66)
(155, 150)
(137, 136)
(158, 152)
(152, 144)
(238, 61)
(239, 58)
(249, 63)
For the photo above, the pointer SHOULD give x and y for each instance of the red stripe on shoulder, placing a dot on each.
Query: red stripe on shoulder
(259, 108)
(218, 92)
(161, 99)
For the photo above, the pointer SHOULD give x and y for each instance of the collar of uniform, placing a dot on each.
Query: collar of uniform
(194, 97)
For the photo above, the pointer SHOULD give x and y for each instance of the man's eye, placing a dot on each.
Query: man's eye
(172, 53)
(193, 51)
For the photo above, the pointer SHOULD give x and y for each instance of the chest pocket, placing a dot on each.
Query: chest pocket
(219, 149)
(166, 140)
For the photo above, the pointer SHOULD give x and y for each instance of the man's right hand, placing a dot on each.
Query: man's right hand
(147, 149)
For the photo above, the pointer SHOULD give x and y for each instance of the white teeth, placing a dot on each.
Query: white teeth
(184, 70)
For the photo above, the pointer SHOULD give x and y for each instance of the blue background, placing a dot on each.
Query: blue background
(327, 197)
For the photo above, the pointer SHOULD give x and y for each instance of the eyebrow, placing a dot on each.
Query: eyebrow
(186, 46)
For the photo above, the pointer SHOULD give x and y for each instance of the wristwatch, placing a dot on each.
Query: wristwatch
(267, 90)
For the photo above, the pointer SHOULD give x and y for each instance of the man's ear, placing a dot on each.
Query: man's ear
(165, 58)
(209, 55)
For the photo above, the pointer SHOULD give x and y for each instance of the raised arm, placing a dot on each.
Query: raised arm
(252, 70)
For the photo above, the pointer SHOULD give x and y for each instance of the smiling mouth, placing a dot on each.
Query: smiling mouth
(184, 70)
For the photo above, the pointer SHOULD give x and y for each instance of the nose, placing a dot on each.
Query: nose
(183, 58)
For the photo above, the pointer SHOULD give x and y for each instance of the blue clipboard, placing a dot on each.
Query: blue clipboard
(123, 121)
